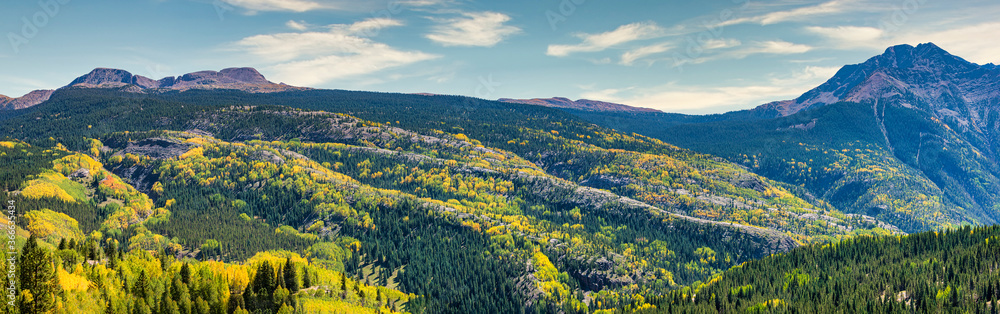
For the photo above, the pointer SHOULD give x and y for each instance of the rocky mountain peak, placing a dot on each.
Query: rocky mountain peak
(925, 57)
(244, 79)
(30, 99)
(248, 75)
(923, 70)
(101, 76)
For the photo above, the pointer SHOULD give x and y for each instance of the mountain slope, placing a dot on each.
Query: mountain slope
(905, 136)
(503, 206)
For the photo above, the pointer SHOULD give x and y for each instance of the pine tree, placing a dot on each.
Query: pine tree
(38, 282)
(141, 287)
(186, 274)
(306, 280)
(291, 276)
(343, 282)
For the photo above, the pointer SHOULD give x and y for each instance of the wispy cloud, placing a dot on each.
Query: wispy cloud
(676, 97)
(971, 42)
(774, 47)
(277, 5)
(599, 42)
(308, 58)
(850, 36)
(254, 6)
(798, 14)
(297, 25)
(635, 54)
(480, 29)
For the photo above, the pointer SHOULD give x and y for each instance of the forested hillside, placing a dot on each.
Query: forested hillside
(462, 204)
(302, 201)
(908, 137)
(925, 177)
(932, 272)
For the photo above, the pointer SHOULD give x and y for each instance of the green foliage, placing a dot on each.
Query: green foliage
(919, 174)
(37, 281)
(455, 216)
(950, 271)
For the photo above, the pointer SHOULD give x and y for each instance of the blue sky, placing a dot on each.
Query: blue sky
(677, 56)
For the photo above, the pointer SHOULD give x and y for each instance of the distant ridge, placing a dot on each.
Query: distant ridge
(581, 104)
(244, 79)
(30, 99)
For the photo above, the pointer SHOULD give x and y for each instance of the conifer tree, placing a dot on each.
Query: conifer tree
(186, 273)
(38, 282)
(290, 276)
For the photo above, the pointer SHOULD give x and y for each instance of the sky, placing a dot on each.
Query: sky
(692, 57)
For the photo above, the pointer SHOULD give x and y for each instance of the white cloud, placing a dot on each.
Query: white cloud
(962, 39)
(971, 42)
(635, 54)
(253, 6)
(370, 27)
(423, 3)
(599, 42)
(675, 97)
(850, 36)
(777, 47)
(277, 5)
(482, 29)
(297, 25)
(798, 14)
(609, 93)
(309, 58)
(720, 43)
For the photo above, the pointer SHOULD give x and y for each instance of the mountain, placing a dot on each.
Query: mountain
(30, 99)
(924, 75)
(580, 104)
(245, 79)
(472, 206)
(205, 192)
(909, 136)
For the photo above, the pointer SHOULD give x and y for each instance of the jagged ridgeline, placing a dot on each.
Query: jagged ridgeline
(469, 205)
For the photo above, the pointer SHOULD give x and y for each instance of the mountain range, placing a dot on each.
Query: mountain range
(276, 197)
(244, 79)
